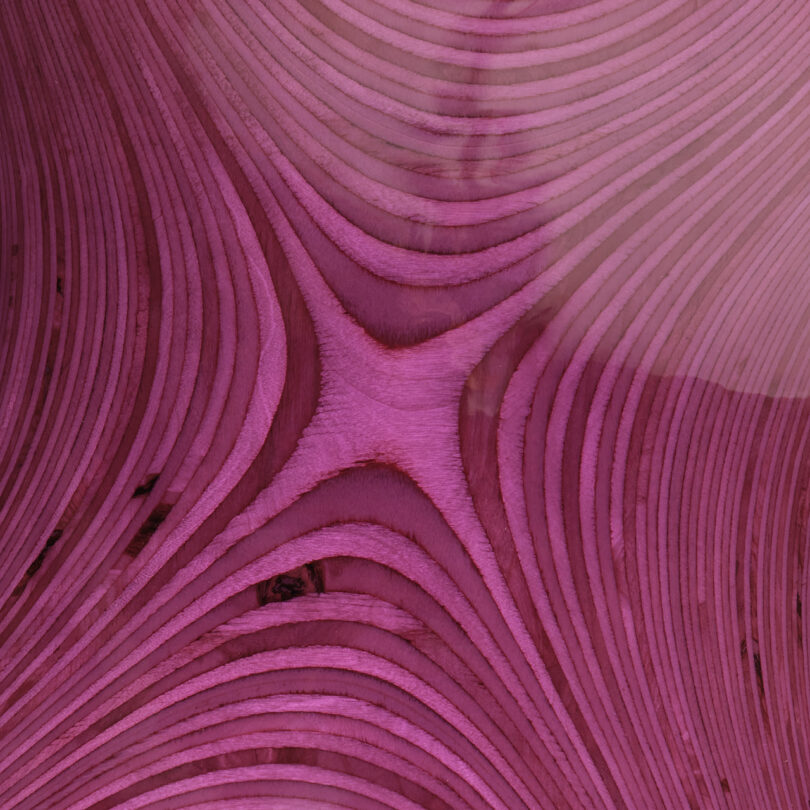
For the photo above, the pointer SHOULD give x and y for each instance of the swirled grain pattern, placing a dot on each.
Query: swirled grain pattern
(404, 404)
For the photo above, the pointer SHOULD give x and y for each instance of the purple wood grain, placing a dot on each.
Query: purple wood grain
(404, 404)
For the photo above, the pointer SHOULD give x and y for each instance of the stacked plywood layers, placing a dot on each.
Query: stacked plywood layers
(404, 404)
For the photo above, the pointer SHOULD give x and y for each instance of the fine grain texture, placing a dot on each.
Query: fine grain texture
(404, 404)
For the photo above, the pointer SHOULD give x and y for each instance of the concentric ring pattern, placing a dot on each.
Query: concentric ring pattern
(404, 404)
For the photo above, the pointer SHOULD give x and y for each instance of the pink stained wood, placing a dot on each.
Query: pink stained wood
(404, 404)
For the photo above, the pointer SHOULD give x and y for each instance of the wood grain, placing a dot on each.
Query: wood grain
(404, 404)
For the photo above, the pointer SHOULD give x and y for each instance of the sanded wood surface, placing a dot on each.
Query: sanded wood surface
(404, 404)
